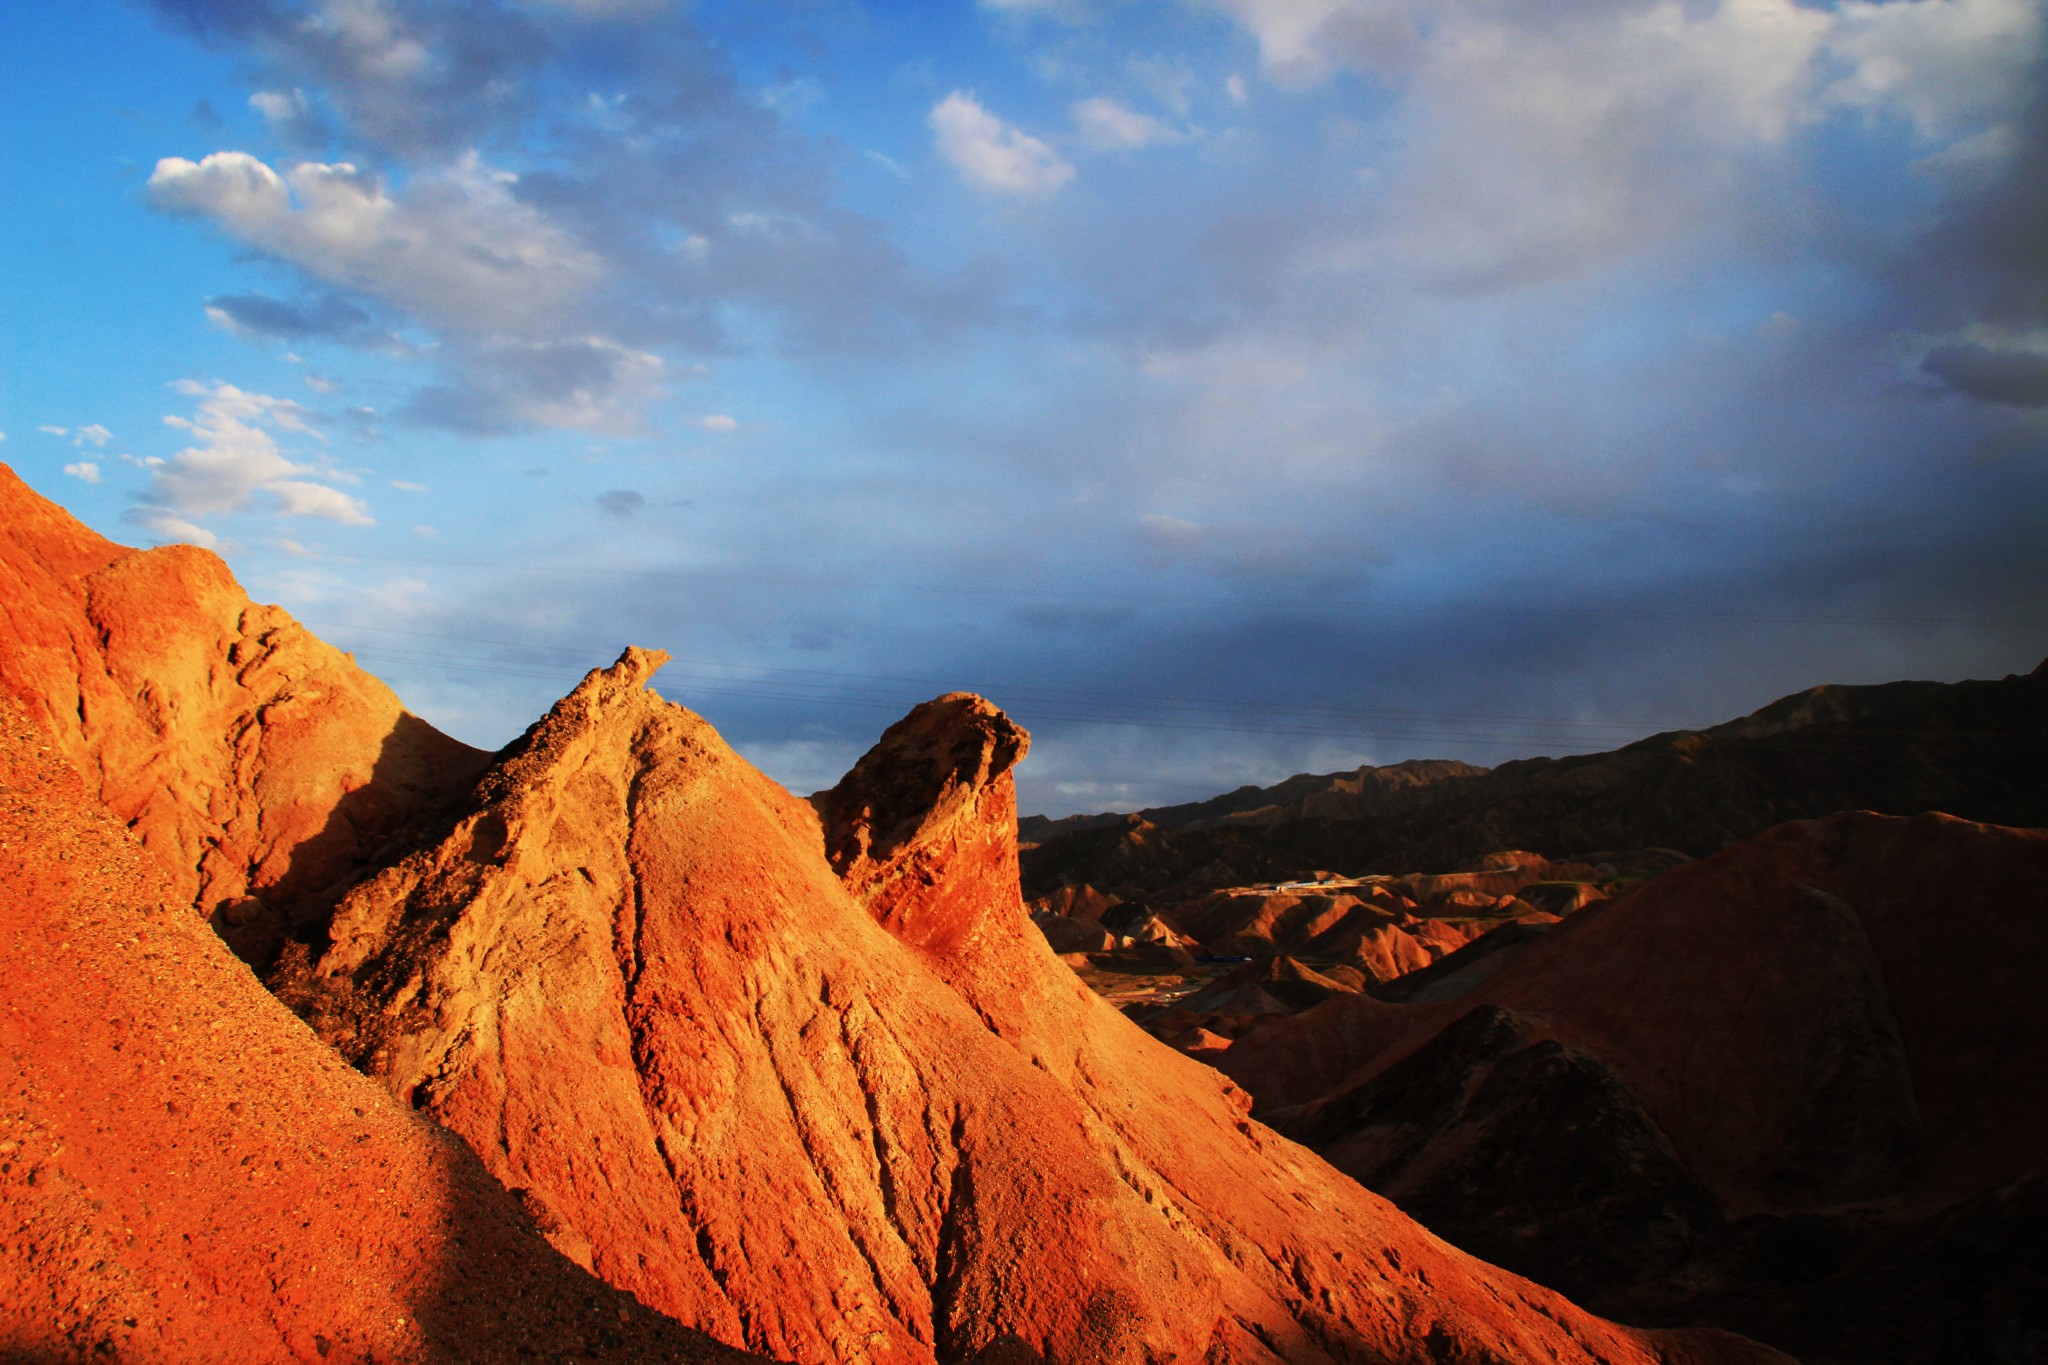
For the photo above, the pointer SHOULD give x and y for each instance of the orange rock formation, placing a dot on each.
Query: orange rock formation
(865, 1122)
(258, 764)
(187, 1174)
(803, 1076)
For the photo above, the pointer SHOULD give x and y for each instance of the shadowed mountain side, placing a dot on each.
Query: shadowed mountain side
(258, 765)
(1831, 1029)
(187, 1174)
(627, 975)
(1975, 749)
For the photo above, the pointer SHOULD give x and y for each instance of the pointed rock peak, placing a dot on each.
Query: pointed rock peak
(634, 668)
(624, 678)
(926, 768)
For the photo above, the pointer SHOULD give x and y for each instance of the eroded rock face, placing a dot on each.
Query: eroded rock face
(187, 1174)
(870, 1121)
(922, 831)
(258, 765)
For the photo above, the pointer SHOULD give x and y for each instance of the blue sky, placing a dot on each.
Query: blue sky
(1228, 388)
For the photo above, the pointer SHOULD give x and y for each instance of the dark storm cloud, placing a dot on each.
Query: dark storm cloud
(2014, 378)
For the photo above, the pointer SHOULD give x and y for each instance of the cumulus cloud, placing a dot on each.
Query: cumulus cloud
(456, 248)
(1543, 140)
(1107, 126)
(718, 421)
(667, 210)
(234, 463)
(992, 156)
(1947, 65)
(86, 470)
(1303, 41)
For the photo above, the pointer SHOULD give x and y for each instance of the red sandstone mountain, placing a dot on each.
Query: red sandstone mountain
(187, 1174)
(871, 1120)
(258, 765)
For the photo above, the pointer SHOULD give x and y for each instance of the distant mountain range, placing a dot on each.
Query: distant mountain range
(1974, 749)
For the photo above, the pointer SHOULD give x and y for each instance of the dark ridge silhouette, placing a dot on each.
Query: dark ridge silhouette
(1978, 750)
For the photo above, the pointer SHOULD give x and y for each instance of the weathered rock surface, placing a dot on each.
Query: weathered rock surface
(258, 765)
(187, 1174)
(864, 1116)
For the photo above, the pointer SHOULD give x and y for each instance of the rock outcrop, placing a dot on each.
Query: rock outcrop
(818, 1085)
(258, 765)
(187, 1174)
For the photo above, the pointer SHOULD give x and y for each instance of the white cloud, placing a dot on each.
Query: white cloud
(1534, 141)
(992, 156)
(408, 486)
(322, 384)
(84, 469)
(93, 435)
(456, 247)
(1107, 126)
(1947, 65)
(718, 421)
(234, 457)
(1303, 41)
(277, 106)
